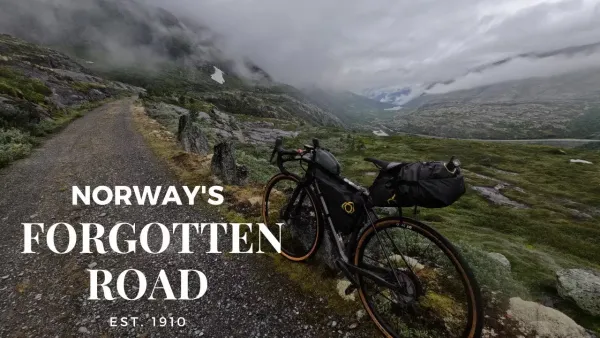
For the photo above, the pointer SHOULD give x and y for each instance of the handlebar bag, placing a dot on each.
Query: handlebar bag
(344, 204)
(326, 161)
(424, 184)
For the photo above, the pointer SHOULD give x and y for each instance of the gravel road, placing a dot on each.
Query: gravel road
(45, 294)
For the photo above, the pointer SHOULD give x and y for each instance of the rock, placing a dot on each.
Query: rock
(360, 314)
(353, 326)
(581, 161)
(259, 135)
(342, 285)
(493, 195)
(413, 264)
(541, 321)
(579, 214)
(224, 167)
(500, 258)
(582, 287)
(191, 137)
(92, 265)
(96, 95)
(83, 330)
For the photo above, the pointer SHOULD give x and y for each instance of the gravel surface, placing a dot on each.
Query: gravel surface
(45, 294)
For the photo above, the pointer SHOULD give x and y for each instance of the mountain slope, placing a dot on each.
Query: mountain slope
(134, 42)
(40, 91)
(552, 107)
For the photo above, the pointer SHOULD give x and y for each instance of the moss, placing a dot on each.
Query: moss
(16, 85)
(85, 87)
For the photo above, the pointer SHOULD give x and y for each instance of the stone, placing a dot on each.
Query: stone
(582, 287)
(500, 258)
(495, 196)
(541, 321)
(191, 136)
(223, 165)
(341, 287)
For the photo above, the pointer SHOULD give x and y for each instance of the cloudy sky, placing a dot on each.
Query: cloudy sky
(362, 44)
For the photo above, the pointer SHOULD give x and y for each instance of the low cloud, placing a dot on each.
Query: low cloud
(344, 44)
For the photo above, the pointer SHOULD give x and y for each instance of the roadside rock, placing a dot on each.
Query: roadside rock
(500, 258)
(191, 136)
(581, 286)
(223, 165)
(342, 285)
(544, 322)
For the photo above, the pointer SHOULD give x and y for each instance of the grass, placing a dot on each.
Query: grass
(16, 85)
(85, 87)
(537, 241)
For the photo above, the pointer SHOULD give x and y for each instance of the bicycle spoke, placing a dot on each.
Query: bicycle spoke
(427, 302)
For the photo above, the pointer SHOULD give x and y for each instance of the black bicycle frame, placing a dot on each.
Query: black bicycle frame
(344, 252)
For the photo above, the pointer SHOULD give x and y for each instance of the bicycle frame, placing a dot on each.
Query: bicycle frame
(344, 252)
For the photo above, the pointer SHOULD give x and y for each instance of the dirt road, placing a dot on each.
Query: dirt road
(45, 295)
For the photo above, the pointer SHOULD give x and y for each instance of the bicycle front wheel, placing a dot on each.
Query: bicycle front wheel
(435, 293)
(285, 201)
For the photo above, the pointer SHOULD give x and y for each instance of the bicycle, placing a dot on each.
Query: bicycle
(406, 292)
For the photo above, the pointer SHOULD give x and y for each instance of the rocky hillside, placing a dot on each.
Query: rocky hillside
(565, 106)
(541, 106)
(134, 42)
(41, 90)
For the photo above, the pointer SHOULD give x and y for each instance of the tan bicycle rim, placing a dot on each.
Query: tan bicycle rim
(268, 188)
(440, 244)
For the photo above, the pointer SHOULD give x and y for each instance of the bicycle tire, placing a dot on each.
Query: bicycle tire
(475, 323)
(319, 221)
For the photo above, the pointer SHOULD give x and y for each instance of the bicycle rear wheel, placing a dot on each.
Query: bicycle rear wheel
(286, 202)
(435, 294)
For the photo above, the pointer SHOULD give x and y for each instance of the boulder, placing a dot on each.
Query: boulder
(191, 137)
(582, 287)
(500, 258)
(224, 167)
(540, 321)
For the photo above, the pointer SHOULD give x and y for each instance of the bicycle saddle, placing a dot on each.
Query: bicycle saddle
(383, 165)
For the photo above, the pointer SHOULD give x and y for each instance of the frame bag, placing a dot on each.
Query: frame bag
(424, 184)
(343, 202)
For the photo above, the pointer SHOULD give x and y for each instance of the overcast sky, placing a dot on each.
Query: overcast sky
(361, 44)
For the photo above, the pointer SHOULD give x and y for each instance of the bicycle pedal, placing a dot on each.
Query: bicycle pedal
(351, 288)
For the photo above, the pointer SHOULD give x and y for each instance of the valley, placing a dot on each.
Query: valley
(177, 110)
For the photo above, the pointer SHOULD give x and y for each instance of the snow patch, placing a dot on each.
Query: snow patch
(581, 161)
(380, 133)
(218, 76)
(393, 108)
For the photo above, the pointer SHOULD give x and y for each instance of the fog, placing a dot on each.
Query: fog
(355, 45)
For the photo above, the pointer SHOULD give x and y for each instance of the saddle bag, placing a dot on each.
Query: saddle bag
(424, 184)
(344, 203)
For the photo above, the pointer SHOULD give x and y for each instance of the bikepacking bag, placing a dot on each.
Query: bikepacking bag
(424, 184)
(344, 202)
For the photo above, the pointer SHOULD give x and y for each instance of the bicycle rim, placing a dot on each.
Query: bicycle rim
(437, 295)
(301, 231)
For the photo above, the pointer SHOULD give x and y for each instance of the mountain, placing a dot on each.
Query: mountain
(565, 106)
(346, 105)
(396, 95)
(40, 91)
(401, 95)
(133, 42)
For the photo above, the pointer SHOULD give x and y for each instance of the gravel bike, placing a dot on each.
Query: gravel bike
(410, 279)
